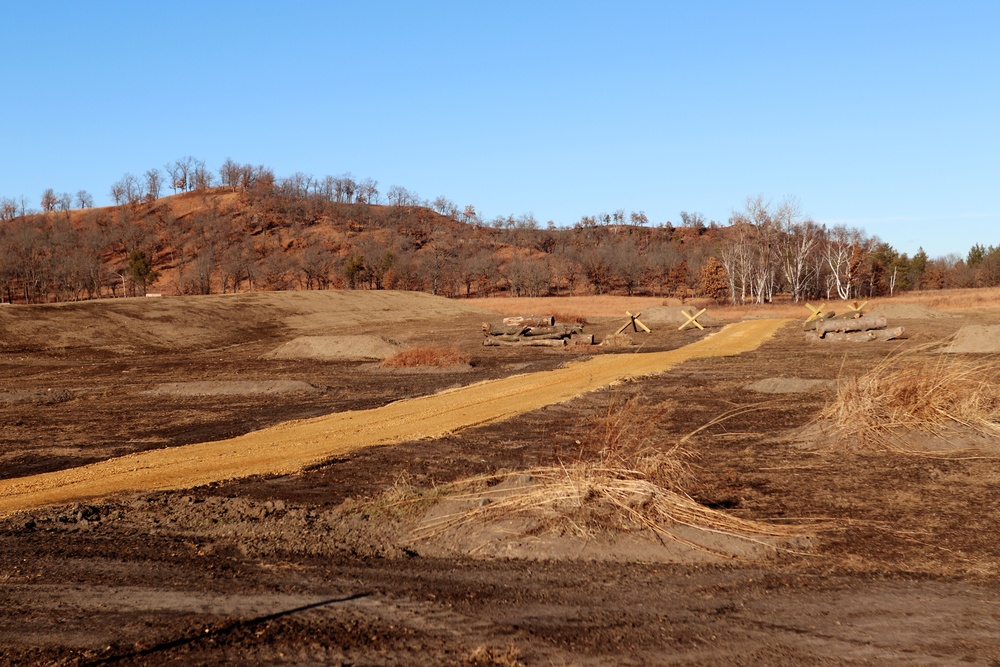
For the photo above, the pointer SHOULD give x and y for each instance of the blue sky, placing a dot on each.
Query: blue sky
(880, 115)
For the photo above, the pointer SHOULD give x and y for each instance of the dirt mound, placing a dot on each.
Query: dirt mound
(232, 388)
(463, 526)
(337, 348)
(905, 311)
(675, 315)
(790, 385)
(975, 339)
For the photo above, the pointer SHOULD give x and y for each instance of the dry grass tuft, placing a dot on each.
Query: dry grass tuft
(619, 477)
(915, 392)
(426, 356)
(489, 656)
(617, 340)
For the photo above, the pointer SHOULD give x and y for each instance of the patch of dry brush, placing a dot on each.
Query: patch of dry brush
(916, 392)
(620, 477)
(437, 357)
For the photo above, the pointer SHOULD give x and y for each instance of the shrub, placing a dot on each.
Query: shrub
(426, 356)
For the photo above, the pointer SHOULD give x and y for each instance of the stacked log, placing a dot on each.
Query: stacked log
(531, 320)
(534, 331)
(830, 315)
(853, 327)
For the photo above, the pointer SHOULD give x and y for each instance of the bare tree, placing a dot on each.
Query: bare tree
(84, 199)
(201, 177)
(49, 200)
(736, 255)
(799, 240)
(638, 218)
(400, 196)
(127, 190)
(368, 192)
(445, 206)
(8, 208)
(180, 171)
(693, 220)
(229, 174)
(154, 181)
(847, 249)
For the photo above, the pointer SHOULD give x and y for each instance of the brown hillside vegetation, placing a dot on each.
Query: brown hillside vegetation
(260, 233)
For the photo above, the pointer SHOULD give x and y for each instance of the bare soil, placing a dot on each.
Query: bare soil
(901, 568)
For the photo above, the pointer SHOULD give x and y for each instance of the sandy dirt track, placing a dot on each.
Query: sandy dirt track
(290, 447)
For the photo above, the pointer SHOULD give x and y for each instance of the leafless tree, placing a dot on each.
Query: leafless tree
(154, 181)
(469, 215)
(49, 200)
(799, 240)
(736, 255)
(626, 264)
(694, 220)
(368, 192)
(445, 206)
(201, 177)
(8, 208)
(180, 172)
(847, 249)
(84, 199)
(229, 174)
(400, 196)
(317, 264)
(127, 190)
(638, 218)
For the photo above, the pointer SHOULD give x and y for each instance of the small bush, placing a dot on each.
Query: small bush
(426, 356)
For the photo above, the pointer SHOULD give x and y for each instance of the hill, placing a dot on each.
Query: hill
(223, 240)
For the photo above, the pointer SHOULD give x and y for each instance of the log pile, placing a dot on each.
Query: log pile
(532, 331)
(852, 326)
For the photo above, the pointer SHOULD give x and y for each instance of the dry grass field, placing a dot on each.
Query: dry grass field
(760, 499)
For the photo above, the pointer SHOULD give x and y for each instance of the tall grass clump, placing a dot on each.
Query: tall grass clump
(621, 474)
(913, 391)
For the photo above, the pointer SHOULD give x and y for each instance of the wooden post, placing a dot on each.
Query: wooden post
(633, 322)
(692, 319)
(816, 312)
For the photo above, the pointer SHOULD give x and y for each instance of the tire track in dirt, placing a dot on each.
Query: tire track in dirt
(290, 447)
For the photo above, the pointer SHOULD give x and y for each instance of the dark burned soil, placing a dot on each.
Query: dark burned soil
(902, 568)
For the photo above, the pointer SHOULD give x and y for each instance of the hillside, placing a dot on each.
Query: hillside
(276, 236)
(222, 240)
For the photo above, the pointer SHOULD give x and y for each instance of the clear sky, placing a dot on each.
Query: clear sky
(881, 115)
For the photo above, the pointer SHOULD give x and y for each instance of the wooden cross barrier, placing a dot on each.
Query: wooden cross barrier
(816, 312)
(634, 323)
(692, 319)
(857, 307)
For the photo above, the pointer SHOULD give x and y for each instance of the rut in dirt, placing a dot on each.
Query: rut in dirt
(293, 446)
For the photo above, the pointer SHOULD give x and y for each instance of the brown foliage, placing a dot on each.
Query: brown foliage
(426, 356)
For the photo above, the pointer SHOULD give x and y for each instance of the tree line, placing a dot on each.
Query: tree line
(243, 228)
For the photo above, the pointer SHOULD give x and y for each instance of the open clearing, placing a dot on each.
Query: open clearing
(248, 520)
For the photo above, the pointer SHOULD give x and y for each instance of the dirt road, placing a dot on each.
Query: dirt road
(292, 446)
